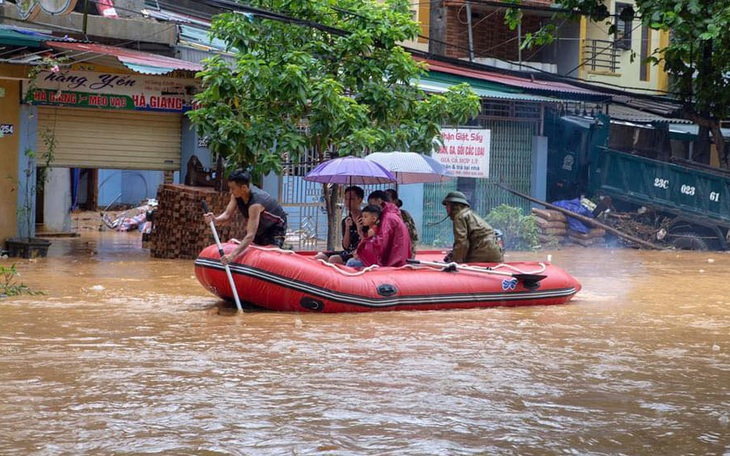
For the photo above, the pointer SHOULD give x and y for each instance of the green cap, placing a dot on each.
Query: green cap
(455, 197)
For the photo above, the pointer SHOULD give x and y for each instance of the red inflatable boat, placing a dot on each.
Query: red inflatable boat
(289, 281)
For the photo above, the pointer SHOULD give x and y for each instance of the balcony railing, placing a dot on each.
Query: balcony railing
(602, 55)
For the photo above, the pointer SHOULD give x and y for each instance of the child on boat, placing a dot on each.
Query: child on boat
(370, 219)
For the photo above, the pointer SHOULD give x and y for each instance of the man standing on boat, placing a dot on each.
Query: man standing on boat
(391, 246)
(474, 239)
(263, 216)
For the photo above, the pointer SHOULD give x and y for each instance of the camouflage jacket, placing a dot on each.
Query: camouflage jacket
(412, 231)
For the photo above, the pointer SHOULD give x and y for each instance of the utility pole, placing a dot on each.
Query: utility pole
(437, 28)
(86, 17)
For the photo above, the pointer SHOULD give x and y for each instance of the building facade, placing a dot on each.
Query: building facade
(113, 118)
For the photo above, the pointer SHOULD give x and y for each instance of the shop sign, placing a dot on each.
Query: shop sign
(82, 99)
(113, 91)
(465, 152)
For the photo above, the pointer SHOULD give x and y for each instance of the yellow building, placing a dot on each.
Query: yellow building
(619, 59)
(9, 144)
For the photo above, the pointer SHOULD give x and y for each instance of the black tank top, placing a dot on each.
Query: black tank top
(273, 214)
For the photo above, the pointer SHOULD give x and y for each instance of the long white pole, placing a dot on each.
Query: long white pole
(221, 252)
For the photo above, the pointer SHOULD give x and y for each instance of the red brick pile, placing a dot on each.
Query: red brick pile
(179, 228)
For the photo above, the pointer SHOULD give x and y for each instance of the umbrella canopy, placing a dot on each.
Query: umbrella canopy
(411, 167)
(350, 171)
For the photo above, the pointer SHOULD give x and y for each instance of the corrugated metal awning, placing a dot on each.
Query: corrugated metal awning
(141, 62)
(689, 132)
(196, 44)
(200, 38)
(666, 108)
(621, 112)
(562, 90)
(582, 122)
(430, 85)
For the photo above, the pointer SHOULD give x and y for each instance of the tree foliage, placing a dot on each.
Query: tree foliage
(520, 231)
(697, 57)
(331, 80)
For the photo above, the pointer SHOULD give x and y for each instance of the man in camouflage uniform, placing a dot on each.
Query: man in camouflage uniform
(474, 239)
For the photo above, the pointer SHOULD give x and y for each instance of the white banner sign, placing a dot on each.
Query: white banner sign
(465, 151)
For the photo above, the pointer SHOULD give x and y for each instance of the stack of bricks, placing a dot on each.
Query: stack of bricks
(179, 228)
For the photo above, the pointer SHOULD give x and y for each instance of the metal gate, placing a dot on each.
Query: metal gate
(304, 203)
(510, 163)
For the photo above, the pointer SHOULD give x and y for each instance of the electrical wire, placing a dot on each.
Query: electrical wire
(233, 6)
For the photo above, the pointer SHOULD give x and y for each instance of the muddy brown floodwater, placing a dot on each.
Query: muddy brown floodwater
(128, 355)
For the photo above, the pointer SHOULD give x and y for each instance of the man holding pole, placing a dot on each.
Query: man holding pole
(263, 216)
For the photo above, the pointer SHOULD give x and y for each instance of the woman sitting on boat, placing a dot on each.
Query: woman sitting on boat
(352, 228)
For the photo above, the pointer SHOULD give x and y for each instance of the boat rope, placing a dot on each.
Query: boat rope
(518, 270)
(493, 269)
(440, 221)
(338, 268)
(273, 249)
(453, 266)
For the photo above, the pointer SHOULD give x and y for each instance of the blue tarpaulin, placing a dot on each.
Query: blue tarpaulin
(575, 206)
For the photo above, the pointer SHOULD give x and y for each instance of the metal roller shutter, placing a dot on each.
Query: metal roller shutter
(95, 138)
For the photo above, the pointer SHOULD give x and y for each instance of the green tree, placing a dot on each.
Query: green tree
(697, 57)
(325, 76)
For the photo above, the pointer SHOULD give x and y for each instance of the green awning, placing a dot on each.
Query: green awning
(27, 38)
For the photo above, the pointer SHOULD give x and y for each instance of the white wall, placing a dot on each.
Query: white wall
(57, 200)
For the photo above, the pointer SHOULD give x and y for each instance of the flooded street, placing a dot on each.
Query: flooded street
(129, 355)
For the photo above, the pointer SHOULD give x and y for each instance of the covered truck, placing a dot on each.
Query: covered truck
(681, 203)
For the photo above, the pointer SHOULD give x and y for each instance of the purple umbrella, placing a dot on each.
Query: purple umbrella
(350, 171)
